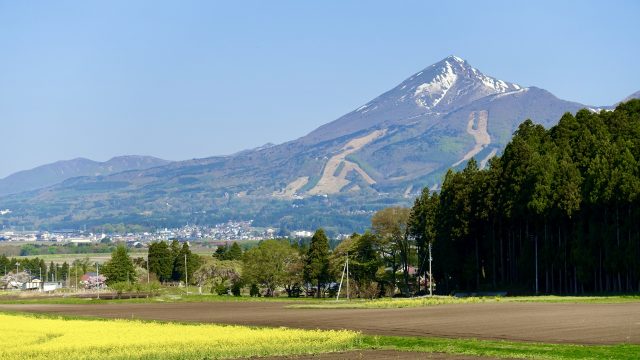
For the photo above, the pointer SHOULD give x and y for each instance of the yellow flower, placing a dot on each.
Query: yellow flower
(29, 337)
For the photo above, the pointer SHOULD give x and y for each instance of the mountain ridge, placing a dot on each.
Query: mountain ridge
(61, 170)
(382, 153)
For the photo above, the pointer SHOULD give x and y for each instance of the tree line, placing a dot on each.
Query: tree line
(556, 213)
(310, 268)
(37, 267)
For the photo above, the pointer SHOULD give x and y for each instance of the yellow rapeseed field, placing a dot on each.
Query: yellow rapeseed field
(31, 337)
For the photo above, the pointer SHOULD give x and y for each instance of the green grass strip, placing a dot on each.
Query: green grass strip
(502, 349)
(165, 298)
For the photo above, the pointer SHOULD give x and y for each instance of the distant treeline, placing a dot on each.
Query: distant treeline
(564, 201)
(37, 267)
(68, 248)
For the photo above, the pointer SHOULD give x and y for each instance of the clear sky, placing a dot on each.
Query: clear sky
(187, 79)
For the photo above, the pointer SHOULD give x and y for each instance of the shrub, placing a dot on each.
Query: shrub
(236, 289)
(221, 289)
(370, 290)
(254, 291)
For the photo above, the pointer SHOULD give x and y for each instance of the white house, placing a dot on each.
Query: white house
(34, 284)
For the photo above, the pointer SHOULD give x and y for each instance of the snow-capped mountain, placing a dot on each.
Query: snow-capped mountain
(449, 84)
(439, 88)
(382, 153)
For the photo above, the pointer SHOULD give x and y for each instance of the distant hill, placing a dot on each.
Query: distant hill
(382, 153)
(50, 174)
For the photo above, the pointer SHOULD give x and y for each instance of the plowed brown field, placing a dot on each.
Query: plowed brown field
(540, 322)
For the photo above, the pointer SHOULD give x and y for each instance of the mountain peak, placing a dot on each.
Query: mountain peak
(454, 59)
(451, 83)
(439, 88)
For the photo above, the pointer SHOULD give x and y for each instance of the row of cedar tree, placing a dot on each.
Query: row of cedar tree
(560, 207)
(556, 213)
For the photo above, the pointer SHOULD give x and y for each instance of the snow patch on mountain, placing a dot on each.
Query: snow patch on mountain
(497, 85)
(450, 83)
(430, 94)
(510, 93)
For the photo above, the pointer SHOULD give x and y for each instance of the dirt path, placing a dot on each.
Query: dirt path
(555, 323)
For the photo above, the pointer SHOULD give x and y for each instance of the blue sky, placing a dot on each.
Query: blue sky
(187, 79)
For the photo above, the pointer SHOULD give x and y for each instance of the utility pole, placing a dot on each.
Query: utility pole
(148, 271)
(97, 280)
(430, 273)
(537, 292)
(186, 279)
(344, 269)
(347, 276)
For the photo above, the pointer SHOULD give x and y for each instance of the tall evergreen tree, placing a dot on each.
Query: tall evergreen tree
(316, 269)
(161, 260)
(64, 271)
(422, 226)
(180, 273)
(120, 267)
(234, 253)
(5, 266)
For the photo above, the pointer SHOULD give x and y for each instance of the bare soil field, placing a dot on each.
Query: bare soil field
(539, 322)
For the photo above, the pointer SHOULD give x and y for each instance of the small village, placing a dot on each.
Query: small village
(25, 281)
(228, 231)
